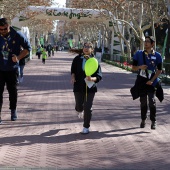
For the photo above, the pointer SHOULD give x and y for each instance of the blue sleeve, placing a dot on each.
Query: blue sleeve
(159, 58)
(135, 57)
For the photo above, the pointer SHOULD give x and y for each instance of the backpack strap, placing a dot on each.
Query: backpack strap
(144, 61)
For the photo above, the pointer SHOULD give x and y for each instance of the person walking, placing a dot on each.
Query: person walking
(84, 95)
(148, 63)
(21, 68)
(53, 49)
(11, 42)
(44, 56)
(49, 49)
(39, 51)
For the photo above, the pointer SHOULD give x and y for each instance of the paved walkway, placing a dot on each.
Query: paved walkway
(46, 135)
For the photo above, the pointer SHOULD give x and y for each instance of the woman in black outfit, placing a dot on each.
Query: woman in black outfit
(83, 94)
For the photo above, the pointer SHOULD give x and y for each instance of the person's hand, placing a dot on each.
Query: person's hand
(89, 78)
(143, 67)
(149, 82)
(14, 58)
(73, 80)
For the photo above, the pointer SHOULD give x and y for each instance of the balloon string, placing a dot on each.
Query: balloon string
(86, 92)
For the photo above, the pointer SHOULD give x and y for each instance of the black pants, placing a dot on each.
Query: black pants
(10, 79)
(43, 60)
(86, 105)
(39, 55)
(49, 53)
(150, 96)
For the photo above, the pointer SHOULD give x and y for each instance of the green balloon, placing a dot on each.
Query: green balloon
(91, 66)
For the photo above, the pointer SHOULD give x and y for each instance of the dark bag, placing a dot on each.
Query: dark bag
(139, 88)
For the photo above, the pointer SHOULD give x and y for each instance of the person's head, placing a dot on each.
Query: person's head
(4, 27)
(88, 48)
(149, 42)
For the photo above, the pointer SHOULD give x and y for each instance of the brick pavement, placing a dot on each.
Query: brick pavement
(46, 135)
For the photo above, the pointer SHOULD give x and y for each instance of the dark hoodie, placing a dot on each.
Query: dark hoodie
(77, 69)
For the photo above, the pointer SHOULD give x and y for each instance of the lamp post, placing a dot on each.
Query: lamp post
(165, 43)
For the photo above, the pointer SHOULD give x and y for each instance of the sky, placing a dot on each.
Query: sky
(61, 2)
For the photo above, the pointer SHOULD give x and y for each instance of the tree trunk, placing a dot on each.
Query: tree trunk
(168, 42)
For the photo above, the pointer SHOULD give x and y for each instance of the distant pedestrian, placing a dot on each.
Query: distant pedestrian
(39, 51)
(44, 56)
(49, 49)
(21, 68)
(56, 48)
(11, 42)
(148, 63)
(53, 48)
(84, 95)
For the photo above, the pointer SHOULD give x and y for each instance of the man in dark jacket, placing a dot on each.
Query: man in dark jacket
(49, 49)
(148, 63)
(11, 42)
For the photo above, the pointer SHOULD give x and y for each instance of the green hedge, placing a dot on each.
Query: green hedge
(166, 65)
(106, 57)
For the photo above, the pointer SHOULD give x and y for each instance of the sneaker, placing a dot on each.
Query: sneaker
(153, 125)
(80, 115)
(21, 79)
(85, 131)
(13, 115)
(17, 81)
(0, 118)
(142, 124)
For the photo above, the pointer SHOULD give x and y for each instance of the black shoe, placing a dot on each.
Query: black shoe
(13, 115)
(142, 124)
(153, 125)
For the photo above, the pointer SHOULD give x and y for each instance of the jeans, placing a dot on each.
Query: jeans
(150, 96)
(83, 104)
(21, 70)
(10, 79)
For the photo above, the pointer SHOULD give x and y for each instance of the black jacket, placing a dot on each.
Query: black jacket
(77, 69)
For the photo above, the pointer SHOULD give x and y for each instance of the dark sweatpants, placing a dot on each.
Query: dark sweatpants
(86, 105)
(10, 79)
(152, 106)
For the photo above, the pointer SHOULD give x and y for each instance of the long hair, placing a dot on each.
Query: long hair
(80, 51)
(77, 51)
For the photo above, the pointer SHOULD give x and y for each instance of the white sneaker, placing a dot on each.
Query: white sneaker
(21, 79)
(85, 131)
(80, 115)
